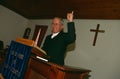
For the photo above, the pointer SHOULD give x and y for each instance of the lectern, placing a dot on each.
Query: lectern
(24, 61)
(40, 69)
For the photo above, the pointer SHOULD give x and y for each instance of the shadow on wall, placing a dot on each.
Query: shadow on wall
(70, 47)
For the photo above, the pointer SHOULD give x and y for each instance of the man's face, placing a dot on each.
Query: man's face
(56, 25)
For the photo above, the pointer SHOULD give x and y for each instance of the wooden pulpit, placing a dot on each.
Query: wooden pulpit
(25, 61)
(40, 69)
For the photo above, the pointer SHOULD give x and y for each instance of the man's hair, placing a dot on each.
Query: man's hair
(61, 20)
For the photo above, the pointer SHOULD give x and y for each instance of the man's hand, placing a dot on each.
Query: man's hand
(70, 16)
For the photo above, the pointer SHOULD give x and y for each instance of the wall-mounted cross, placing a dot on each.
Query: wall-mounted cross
(96, 33)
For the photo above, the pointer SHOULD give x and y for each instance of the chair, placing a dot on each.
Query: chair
(1, 53)
(1, 46)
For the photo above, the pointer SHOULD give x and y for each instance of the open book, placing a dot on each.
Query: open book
(38, 48)
(29, 43)
(32, 43)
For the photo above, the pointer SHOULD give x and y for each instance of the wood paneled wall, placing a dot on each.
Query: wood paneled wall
(83, 9)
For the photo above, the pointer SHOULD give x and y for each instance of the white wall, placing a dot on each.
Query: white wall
(12, 25)
(102, 59)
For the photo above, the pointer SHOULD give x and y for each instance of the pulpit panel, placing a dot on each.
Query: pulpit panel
(16, 60)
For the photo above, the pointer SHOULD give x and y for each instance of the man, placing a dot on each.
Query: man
(55, 44)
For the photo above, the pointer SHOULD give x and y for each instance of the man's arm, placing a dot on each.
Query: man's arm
(71, 37)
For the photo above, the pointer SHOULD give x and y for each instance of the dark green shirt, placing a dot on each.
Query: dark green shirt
(56, 47)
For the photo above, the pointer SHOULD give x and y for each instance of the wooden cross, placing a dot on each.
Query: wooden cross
(96, 33)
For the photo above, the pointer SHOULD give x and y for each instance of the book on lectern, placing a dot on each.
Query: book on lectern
(33, 44)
